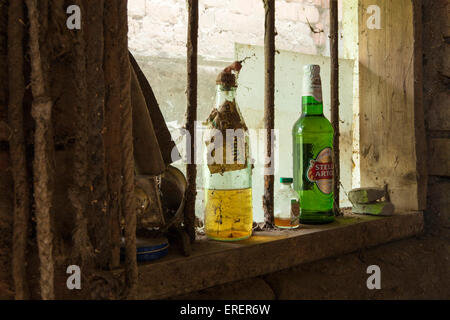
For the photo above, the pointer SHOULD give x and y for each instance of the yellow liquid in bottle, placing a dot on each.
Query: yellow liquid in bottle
(228, 214)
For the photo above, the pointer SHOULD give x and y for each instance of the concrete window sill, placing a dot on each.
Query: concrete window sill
(213, 263)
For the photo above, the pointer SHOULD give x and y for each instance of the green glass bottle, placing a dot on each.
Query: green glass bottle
(312, 153)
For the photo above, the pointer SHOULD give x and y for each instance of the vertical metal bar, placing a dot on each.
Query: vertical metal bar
(269, 110)
(112, 120)
(334, 36)
(41, 112)
(78, 193)
(420, 131)
(17, 147)
(191, 169)
(98, 201)
(128, 197)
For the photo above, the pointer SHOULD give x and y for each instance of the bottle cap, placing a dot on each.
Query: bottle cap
(286, 180)
(227, 77)
(313, 69)
(312, 84)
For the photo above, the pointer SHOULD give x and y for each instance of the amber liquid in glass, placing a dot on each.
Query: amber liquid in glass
(285, 223)
(228, 214)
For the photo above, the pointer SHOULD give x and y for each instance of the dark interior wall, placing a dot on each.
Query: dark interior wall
(436, 64)
(5, 177)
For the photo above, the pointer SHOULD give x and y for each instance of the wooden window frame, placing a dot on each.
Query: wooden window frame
(392, 127)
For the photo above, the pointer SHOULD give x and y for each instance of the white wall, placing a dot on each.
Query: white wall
(158, 27)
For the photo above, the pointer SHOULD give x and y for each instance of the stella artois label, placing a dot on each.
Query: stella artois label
(320, 171)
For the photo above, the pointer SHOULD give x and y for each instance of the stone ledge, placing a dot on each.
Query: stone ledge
(214, 263)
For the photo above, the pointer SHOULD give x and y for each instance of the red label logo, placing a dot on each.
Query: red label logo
(320, 171)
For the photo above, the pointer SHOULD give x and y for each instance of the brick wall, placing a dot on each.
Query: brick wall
(158, 28)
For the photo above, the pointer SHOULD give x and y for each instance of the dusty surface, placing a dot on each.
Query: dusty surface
(416, 268)
(216, 263)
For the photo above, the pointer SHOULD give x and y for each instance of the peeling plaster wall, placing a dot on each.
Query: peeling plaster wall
(158, 28)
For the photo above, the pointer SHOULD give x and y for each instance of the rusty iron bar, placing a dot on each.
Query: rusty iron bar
(126, 132)
(191, 168)
(83, 252)
(112, 134)
(269, 111)
(334, 85)
(41, 112)
(98, 197)
(16, 81)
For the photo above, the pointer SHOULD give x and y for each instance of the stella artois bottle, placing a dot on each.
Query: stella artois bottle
(312, 152)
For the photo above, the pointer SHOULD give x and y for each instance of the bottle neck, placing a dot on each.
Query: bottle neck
(311, 107)
(312, 104)
(224, 94)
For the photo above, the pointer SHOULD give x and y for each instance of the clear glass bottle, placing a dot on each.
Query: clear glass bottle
(227, 179)
(286, 205)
